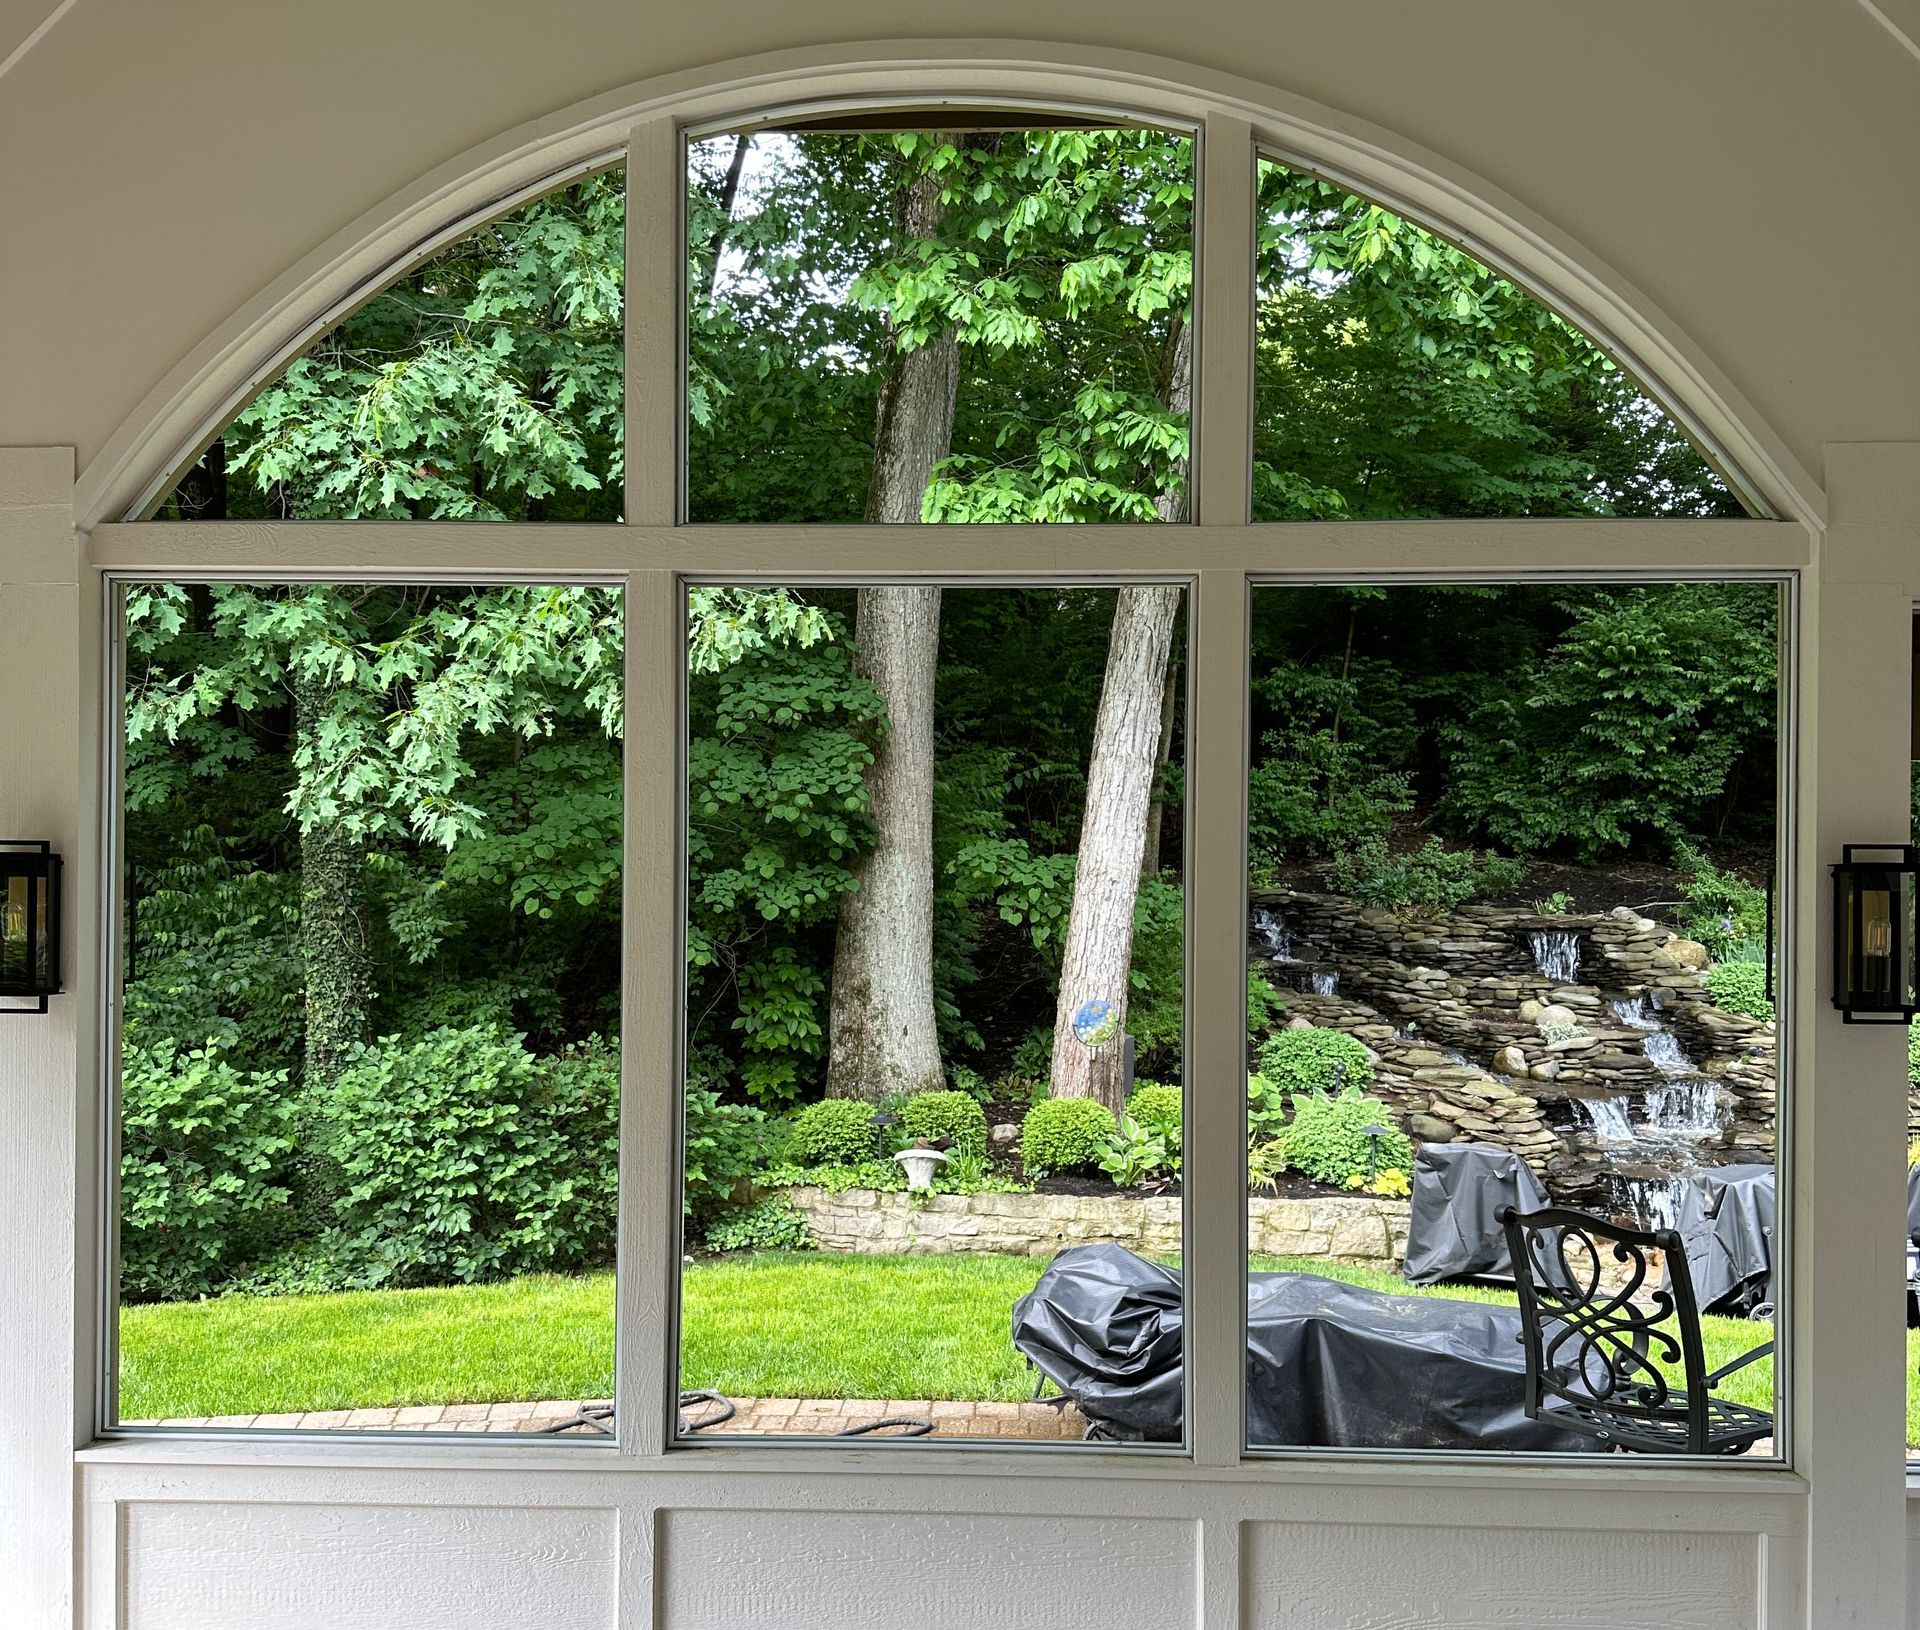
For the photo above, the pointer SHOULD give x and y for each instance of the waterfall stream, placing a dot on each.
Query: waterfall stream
(1556, 954)
(1274, 934)
(1325, 981)
(1609, 1117)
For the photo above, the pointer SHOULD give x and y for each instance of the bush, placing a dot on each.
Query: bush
(1157, 1108)
(834, 1132)
(1723, 910)
(1432, 878)
(773, 1224)
(465, 1158)
(205, 1160)
(1266, 1111)
(1327, 1139)
(1313, 1060)
(725, 1143)
(1132, 1154)
(1263, 1002)
(1913, 1052)
(954, 1115)
(1740, 987)
(1065, 1135)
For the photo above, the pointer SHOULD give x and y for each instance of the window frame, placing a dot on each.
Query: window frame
(1220, 552)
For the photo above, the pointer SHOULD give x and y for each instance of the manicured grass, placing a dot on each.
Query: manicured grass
(775, 1325)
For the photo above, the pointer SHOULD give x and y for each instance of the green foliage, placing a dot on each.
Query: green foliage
(1431, 878)
(953, 1115)
(1913, 1052)
(1723, 910)
(1556, 904)
(772, 1224)
(1263, 1003)
(834, 1132)
(1158, 1109)
(1740, 987)
(1644, 719)
(1266, 1112)
(1311, 1060)
(465, 1158)
(1132, 1154)
(1553, 1030)
(726, 1143)
(1327, 1141)
(1064, 1135)
(206, 1158)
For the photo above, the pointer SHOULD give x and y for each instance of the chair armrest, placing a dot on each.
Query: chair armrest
(1739, 1363)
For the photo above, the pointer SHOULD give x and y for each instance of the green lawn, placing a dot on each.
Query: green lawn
(808, 1325)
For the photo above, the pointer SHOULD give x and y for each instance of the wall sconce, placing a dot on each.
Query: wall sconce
(29, 922)
(1873, 933)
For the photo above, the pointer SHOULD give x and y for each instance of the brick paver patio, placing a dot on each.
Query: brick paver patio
(754, 1417)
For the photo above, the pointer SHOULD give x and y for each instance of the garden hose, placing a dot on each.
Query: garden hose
(599, 1418)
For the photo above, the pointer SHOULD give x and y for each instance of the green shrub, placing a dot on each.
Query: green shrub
(464, 1158)
(885, 1175)
(1266, 1111)
(1432, 878)
(1263, 1002)
(773, 1224)
(1132, 1154)
(1065, 1135)
(1722, 909)
(1327, 1139)
(725, 1143)
(1158, 1109)
(834, 1132)
(1314, 1060)
(954, 1115)
(1740, 987)
(1913, 1052)
(1552, 1030)
(206, 1152)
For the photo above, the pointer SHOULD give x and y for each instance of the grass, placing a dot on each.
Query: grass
(812, 1325)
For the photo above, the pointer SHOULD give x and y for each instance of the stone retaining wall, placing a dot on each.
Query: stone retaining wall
(1361, 1229)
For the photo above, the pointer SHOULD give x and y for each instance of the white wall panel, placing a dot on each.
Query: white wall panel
(1344, 1576)
(229, 1566)
(722, 1570)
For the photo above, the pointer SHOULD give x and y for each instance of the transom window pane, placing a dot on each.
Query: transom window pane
(940, 324)
(369, 1067)
(486, 384)
(1397, 376)
(936, 997)
(1511, 939)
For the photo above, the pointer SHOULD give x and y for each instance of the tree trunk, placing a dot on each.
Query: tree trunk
(883, 1036)
(1156, 810)
(1098, 961)
(333, 923)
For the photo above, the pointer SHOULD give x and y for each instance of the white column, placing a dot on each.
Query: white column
(1849, 1131)
(46, 1399)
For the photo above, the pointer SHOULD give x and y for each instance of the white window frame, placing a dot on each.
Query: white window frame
(653, 557)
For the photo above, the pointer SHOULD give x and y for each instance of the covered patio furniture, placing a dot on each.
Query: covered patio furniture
(1601, 1352)
(1458, 1192)
(1725, 1218)
(1329, 1365)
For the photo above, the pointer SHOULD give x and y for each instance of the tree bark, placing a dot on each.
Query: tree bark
(333, 923)
(883, 1037)
(1098, 961)
(1156, 810)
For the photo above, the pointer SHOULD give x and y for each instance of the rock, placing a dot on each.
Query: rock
(1549, 1070)
(1646, 925)
(1510, 1061)
(1004, 1135)
(1530, 1010)
(1554, 1013)
(1625, 914)
(1297, 1022)
(1431, 1129)
(1689, 954)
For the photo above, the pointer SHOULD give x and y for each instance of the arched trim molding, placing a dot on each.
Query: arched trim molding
(187, 407)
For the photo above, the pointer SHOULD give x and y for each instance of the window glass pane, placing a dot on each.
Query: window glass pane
(941, 325)
(1511, 936)
(935, 898)
(483, 385)
(1397, 376)
(369, 1081)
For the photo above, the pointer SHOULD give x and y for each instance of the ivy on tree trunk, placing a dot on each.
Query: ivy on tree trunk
(333, 919)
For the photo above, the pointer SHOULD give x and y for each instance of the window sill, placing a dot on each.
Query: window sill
(598, 1459)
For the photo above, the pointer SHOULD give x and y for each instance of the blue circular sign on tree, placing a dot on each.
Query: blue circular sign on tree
(1096, 1022)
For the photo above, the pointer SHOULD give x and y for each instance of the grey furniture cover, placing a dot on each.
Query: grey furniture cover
(1725, 1219)
(1458, 1192)
(1328, 1365)
(1913, 1204)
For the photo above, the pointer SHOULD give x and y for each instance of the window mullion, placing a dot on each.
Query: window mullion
(656, 175)
(1223, 305)
(645, 1364)
(1215, 1254)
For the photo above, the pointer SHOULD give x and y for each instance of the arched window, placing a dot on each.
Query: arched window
(1025, 950)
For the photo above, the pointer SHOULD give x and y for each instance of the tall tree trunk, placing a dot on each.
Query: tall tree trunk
(333, 922)
(1098, 961)
(1156, 810)
(883, 1036)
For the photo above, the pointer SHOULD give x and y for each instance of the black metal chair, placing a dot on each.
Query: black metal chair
(1598, 1358)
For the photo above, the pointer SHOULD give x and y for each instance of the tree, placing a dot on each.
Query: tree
(884, 1036)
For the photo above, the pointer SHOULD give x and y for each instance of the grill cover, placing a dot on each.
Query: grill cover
(1458, 1192)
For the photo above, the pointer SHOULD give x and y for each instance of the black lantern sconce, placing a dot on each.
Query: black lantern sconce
(1873, 933)
(29, 922)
